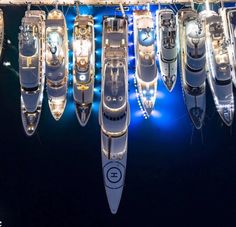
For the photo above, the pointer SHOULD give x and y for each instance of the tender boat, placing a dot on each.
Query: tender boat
(145, 56)
(220, 70)
(56, 62)
(193, 64)
(32, 68)
(84, 67)
(114, 113)
(167, 46)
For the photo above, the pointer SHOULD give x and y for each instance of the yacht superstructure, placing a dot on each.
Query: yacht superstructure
(145, 57)
(1, 31)
(229, 24)
(219, 67)
(56, 62)
(167, 46)
(114, 113)
(31, 68)
(193, 64)
(84, 66)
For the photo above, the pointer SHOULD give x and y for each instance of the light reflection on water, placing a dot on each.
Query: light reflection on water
(168, 107)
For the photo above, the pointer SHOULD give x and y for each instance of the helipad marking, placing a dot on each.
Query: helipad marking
(114, 175)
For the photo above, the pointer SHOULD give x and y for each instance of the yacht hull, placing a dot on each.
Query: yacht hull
(167, 56)
(30, 120)
(32, 68)
(145, 55)
(114, 169)
(1, 31)
(219, 72)
(56, 62)
(229, 20)
(193, 63)
(114, 112)
(83, 113)
(84, 67)
(196, 106)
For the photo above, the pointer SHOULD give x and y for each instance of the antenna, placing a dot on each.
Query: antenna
(29, 6)
(122, 10)
(56, 4)
(192, 4)
(77, 6)
(222, 3)
(159, 4)
(207, 5)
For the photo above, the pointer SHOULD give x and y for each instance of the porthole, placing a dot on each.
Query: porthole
(121, 98)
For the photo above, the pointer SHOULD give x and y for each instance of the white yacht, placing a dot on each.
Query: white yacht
(56, 62)
(167, 46)
(1, 31)
(32, 68)
(84, 66)
(229, 24)
(220, 70)
(114, 113)
(145, 57)
(193, 64)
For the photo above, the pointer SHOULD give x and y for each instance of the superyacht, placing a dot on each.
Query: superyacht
(84, 66)
(1, 31)
(145, 55)
(32, 68)
(56, 62)
(167, 46)
(219, 67)
(193, 64)
(114, 113)
(229, 24)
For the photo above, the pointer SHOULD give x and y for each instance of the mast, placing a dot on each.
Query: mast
(207, 5)
(77, 7)
(222, 3)
(192, 4)
(122, 10)
(28, 6)
(56, 4)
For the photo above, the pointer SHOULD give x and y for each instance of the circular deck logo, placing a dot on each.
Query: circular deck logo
(114, 174)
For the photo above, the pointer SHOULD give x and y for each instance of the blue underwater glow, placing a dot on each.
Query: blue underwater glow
(169, 107)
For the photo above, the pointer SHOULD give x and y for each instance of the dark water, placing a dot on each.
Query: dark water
(176, 176)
